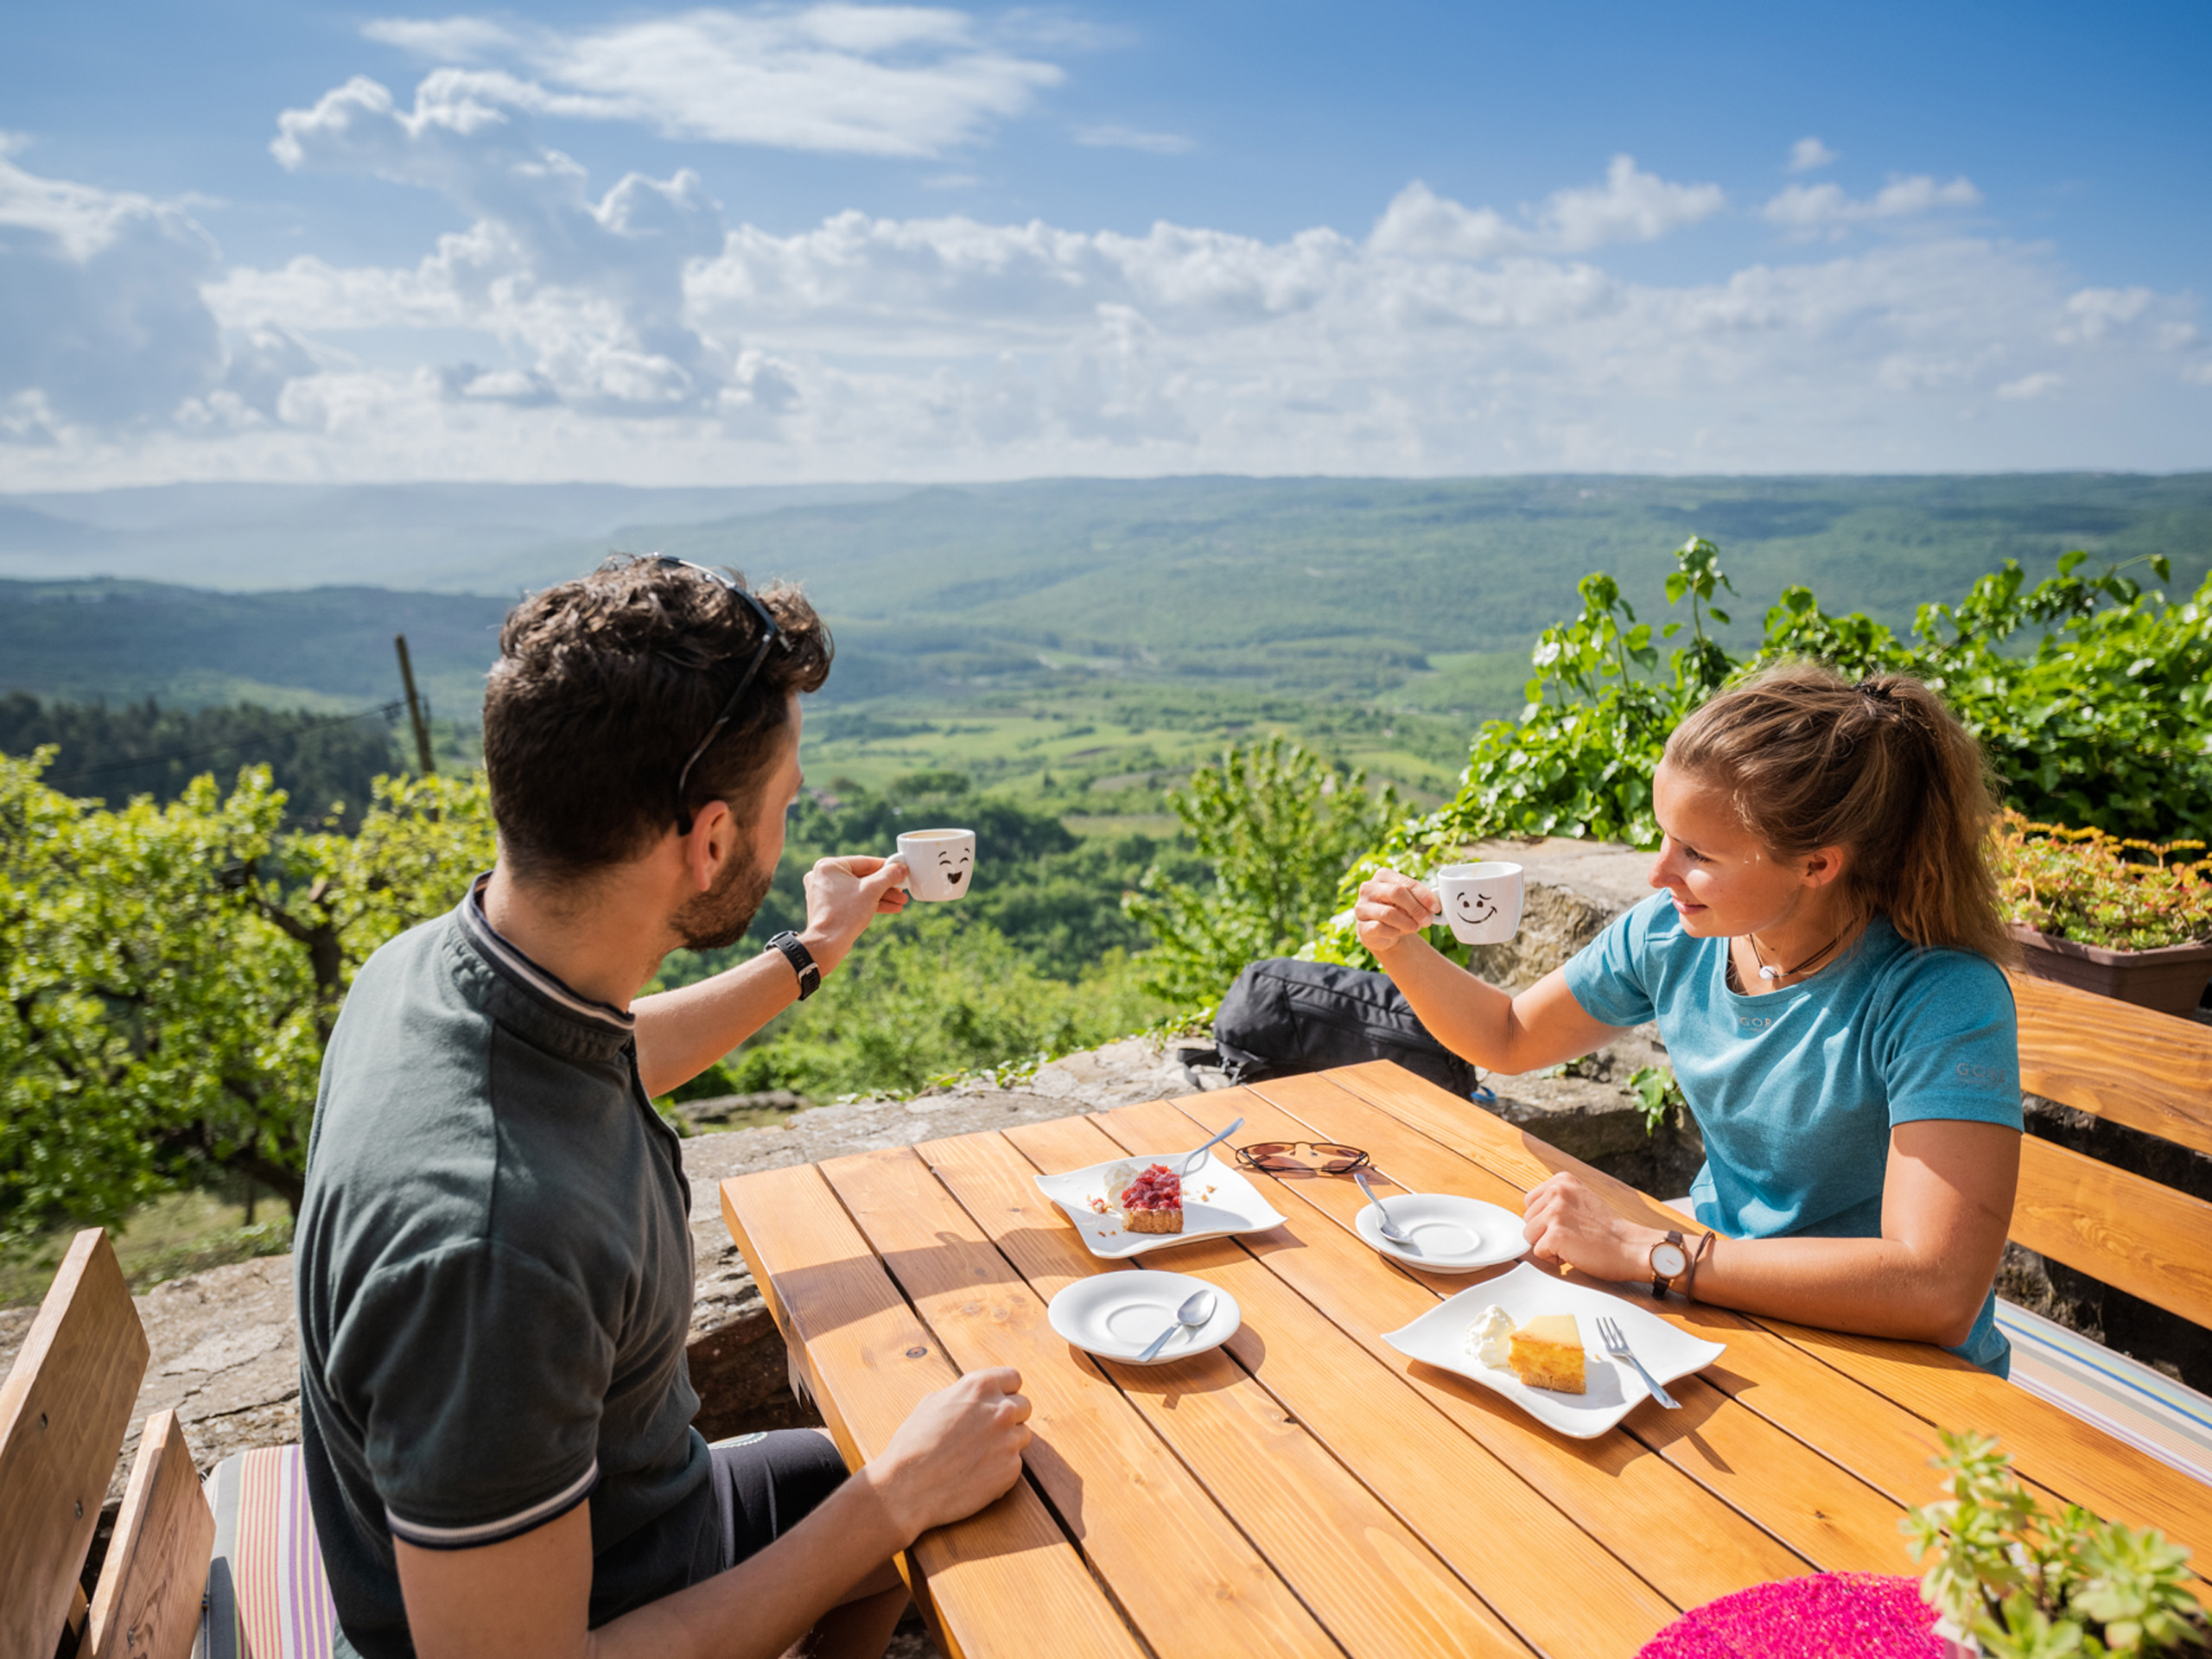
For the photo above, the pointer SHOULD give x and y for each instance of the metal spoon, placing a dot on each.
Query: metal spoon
(1391, 1230)
(1197, 1309)
(1191, 1159)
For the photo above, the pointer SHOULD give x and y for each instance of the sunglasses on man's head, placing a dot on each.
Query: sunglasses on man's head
(1286, 1157)
(769, 634)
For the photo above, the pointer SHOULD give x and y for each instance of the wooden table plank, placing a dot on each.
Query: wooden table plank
(1374, 1584)
(2049, 1447)
(1817, 1505)
(1192, 1582)
(989, 1582)
(1496, 1533)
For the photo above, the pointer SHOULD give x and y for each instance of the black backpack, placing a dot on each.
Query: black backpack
(1283, 1016)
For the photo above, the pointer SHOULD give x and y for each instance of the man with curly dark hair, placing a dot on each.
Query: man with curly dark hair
(494, 1266)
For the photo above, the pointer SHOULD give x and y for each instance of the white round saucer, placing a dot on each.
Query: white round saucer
(1449, 1234)
(1116, 1315)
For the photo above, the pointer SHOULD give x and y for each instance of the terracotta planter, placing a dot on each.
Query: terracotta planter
(2171, 980)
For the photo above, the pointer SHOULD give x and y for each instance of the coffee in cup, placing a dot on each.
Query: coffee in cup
(939, 862)
(1481, 901)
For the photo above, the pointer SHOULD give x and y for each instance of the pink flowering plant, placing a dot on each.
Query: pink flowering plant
(2095, 888)
(2026, 1584)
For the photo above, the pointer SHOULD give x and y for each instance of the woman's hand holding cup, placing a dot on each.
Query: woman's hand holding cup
(1391, 909)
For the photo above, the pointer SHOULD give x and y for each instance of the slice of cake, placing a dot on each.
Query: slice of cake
(1153, 1202)
(1547, 1353)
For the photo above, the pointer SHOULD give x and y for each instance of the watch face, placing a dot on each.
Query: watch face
(1668, 1262)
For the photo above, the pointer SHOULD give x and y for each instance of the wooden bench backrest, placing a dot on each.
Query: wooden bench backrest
(2146, 1071)
(64, 1409)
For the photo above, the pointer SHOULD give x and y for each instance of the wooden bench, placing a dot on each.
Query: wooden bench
(65, 1408)
(2152, 1073)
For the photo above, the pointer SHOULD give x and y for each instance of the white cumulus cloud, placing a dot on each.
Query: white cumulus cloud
(868, 80)
(2041, 383)
(1808, 154)
(592, 288)
(101, 318)
(1810, 209)
(1630, 205)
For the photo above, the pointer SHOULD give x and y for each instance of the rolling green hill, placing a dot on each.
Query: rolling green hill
(1073, 640)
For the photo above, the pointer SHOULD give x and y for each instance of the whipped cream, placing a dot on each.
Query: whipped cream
(1489, 1339)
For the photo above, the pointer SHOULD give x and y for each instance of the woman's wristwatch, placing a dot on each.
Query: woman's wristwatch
(1669, 1262)
(802, 961)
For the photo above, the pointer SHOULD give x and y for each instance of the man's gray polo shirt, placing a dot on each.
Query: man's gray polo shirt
(493, 1272)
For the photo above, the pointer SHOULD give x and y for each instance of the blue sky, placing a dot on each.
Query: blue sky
(728, 244)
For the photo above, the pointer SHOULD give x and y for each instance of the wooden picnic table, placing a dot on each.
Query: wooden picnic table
(1308, 1488)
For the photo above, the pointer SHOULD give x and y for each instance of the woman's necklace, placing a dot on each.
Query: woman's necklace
(1775, 972)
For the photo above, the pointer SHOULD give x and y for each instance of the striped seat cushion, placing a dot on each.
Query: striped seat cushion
(2132, 1402)
(267, 1597)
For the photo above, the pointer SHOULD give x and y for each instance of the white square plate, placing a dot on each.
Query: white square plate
(1449, 1234)
(1217, 1202)
(1116, 1315)
(1439, 1337)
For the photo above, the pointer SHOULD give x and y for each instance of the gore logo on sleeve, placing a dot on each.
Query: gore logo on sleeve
(1993, 1077)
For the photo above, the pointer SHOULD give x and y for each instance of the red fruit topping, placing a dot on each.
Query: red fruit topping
(1158, 1188)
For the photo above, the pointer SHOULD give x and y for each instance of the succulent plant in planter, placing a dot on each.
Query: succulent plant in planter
(2015, 1582)
(2126, 919)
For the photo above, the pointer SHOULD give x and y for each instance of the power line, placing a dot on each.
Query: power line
(387, 712)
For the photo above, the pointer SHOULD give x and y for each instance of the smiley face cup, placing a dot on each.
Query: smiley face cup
(1481, 901)
(939, 862)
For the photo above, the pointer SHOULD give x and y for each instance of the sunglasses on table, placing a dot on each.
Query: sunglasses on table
(769, 634)
(1283, 1157)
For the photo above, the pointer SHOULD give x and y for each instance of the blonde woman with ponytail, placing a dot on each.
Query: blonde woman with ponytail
(1824, 962)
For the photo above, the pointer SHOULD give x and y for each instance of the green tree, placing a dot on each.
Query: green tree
(1277, 824)
(170, 975)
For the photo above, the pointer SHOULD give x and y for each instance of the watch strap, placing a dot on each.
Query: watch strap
(1659, 1281)
(802, 961)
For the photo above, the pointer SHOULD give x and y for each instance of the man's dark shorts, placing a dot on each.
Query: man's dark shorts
(766, 1484)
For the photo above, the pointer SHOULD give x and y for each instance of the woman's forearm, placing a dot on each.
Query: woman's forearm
(1541, 1026)
(1876, 1287)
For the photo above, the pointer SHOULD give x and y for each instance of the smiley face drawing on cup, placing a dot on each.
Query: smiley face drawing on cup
(1481, 901)
(938, 862)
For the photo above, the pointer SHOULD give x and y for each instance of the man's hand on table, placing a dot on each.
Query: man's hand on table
(1565, 1222)
(843, 895)
(961, 1448)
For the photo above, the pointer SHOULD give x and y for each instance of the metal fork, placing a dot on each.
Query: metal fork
(1617, 1346)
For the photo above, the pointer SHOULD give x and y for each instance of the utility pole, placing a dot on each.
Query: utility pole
(414, 710)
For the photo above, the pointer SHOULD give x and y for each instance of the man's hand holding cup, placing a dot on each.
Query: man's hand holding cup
(843, 895)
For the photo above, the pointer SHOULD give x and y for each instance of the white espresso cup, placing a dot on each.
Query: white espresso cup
(939, 862)
(1481, 901)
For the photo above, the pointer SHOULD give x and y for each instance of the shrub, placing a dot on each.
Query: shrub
(170, 975)
(1277, 824)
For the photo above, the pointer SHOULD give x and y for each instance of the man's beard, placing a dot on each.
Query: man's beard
(720, 916)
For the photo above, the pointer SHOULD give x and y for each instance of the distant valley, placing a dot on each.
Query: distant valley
(1159, 614)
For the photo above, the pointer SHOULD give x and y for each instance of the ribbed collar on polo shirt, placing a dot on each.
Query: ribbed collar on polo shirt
(542, 985)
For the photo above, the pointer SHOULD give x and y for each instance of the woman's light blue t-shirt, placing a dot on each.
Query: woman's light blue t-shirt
(1796, 1092)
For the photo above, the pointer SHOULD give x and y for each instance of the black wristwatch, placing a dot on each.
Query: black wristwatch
(802, 962)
